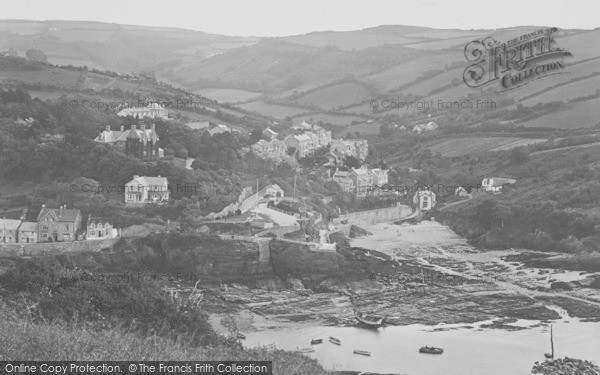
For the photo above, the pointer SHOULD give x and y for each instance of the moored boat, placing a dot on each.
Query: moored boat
(369, 321)
(431, 350)
(241, 336)
(334, 340)
(362, 352)
(305, 350)
(316, 341)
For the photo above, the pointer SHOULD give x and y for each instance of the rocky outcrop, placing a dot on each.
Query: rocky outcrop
(564, 285)
(566, 366)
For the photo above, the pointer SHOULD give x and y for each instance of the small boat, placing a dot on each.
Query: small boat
(316, 341)
(369, 321)
(335, 341)
(306, 350)
(241, 336)
(431, 350)
(362, 352)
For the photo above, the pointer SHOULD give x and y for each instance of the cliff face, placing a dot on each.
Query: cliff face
(208, 258)
(297, 261)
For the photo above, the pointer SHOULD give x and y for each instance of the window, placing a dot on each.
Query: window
(92, 225)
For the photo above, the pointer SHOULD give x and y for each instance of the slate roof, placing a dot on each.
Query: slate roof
(9, 224)
(150, 180)
(117, 135)
(63, 215)
(27, 226)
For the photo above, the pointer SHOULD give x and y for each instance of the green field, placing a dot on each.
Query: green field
(348, 41)
(565, 92)
(338, 120)
(274, 110)
(576, 115)
(410, 70)
(463, 146)
(332, 97)
(227, 95)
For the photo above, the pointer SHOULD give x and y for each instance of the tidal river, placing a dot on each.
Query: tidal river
(469, 349)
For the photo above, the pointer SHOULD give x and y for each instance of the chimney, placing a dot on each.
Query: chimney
(136, 176)
(23, 214)
(153, 127)
(143, 127)
(132, 127)
(122, 128)
(107, 128)
(43, 206)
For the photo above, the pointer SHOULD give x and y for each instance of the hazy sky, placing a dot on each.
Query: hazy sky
(289, 17)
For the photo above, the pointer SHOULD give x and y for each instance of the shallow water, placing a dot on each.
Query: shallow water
(467, 351)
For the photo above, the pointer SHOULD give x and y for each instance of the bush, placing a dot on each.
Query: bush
(77, 297)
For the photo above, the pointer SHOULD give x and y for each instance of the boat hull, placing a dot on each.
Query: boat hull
(371, 323)
(427, 350)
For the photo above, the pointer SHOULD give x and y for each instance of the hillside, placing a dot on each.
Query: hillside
(320, 74)
(123, 48)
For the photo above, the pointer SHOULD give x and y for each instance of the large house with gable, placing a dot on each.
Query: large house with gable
(58, 224)
(140, 143)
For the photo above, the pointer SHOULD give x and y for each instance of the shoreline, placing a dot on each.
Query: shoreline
(492, 289)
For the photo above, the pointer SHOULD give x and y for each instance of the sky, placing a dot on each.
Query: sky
(292, 17)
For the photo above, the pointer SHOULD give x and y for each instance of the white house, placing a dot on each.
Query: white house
(494, 184)
(273, 190)
(430, 126)
(424, 200)
(153, 110)
(344, 179)
(301, 142)
(144, 189)
(380, 176)
(462, 192)
(100, 228)
(28, 232)
(219, 129)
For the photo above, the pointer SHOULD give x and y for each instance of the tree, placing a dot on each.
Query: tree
(485, 214)
(256, 135)
(385, 130)
(351, 162)
(33, 54)
(518, 155)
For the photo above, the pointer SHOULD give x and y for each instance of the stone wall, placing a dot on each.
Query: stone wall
(263, 245)
(55, 247)
(381, 215)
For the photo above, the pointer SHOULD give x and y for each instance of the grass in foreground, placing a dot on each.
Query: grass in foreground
(23, 340)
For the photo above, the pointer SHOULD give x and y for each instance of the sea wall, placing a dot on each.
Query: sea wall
(47, 248)
(381, 215)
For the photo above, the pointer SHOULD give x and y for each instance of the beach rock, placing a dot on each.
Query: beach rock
(565, 285)
(294, 284)
(565, 366)
(595, 284)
